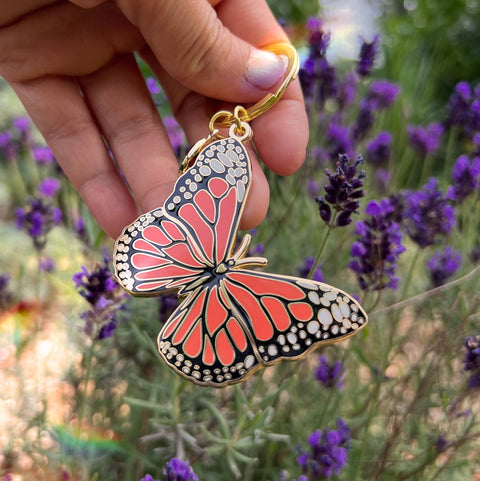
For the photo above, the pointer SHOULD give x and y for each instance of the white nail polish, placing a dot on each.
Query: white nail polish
(265, 69)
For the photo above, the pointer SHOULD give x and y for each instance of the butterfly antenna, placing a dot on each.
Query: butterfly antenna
(242, 251)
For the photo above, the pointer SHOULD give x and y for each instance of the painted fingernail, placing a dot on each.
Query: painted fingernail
(265, 69)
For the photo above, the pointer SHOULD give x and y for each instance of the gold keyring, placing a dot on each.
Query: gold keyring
(293, 66)
(283, 49)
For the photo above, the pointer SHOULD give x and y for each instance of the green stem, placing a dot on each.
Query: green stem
(322, 247)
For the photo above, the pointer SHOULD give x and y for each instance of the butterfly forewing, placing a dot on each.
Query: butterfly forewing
(289, 316)
(173, 247)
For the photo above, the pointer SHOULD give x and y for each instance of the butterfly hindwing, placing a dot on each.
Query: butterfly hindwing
(205, 342)
(172, 247)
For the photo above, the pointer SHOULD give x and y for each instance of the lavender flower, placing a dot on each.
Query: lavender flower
(364, 121)
(368, 52)
(458, 104)
(8, 148)
(175, 134)
(148, 477)
(378, 150)
(284, 474)
(318, 39)
(153, 86)
(428, 214)
(327, 81)
(382, 94)
(307, 267)
(43, 155)
(5, 293)
(38, 219)
(47, 264)
(178, 470)
(105, 297)
(425, 140)
(328, 452)
(23, 126)
(338, 140)
(313, 187)
(346, 91)
(166, 305)
(49, 187)
(473, 119)
(343, 192)
(471, 361)
(443, 265)
(465, 176)
(330, 374)
(378, 246)
(315, 66)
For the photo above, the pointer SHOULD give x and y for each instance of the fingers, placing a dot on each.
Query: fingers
(59, 111)
(280, 134)
(198, 50)
(63, 39)
(12, 11)
(122, 105)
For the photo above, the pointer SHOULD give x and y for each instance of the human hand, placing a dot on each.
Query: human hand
(74, 69)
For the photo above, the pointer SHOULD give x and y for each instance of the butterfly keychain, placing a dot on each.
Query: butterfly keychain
(232, 320)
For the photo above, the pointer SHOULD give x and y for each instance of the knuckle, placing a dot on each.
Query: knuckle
(132, 128)
(196, 53)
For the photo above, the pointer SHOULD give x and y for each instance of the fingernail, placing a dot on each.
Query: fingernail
(265, 69)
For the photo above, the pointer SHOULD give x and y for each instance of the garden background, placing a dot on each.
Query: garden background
(84, 394)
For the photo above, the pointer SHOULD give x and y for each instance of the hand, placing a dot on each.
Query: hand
(72, 65)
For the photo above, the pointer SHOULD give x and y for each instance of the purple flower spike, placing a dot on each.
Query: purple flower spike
(364, 121)
(307, 266)
(43, 155)
(343, 192)
(8, 148)
(465, 176)
(38, 219)
(428, 214)
(327, 454)
(459, 104)
(318, 39)
(471, 361)
(443, 265)
(178, 470)
(105, 297)
(338, 140)
(378, 150)
(347, 91)
(383, 93)
(425, 140)
(49, 187)
(5, 293)
(148, 477)
(378, 246)
(175, 134)
(330, 374)
(368, 52)
(153, 86)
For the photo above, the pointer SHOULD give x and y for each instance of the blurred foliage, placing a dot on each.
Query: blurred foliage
(430, 45)
(294, 11)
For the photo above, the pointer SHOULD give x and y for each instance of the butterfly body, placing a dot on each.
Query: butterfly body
(232, 320)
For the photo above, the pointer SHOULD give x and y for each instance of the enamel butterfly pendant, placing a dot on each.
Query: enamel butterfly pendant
(232, 320)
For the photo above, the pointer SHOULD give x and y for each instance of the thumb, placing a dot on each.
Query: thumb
(194, 47)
